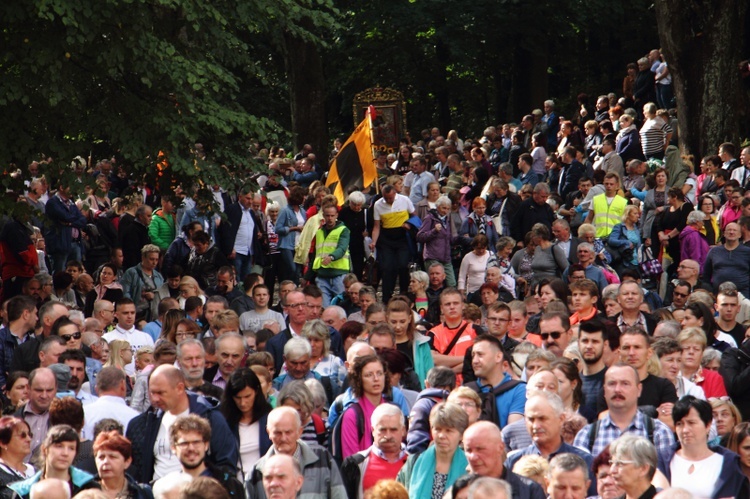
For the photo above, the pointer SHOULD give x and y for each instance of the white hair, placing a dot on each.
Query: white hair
(296, 348)
(695, 216)
(384, 410)
(170, 483)
(340, 312)
(357, 197)
(553, 399)
(443, 201)
(549, 103)
(272, 206)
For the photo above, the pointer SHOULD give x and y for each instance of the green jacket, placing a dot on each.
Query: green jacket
(162, 229)
(422, 357)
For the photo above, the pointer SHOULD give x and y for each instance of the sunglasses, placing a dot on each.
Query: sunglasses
(24, 434)
(555, 335)
(67, 337)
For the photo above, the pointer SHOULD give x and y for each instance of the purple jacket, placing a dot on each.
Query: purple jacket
(693, 246)
(437, 244)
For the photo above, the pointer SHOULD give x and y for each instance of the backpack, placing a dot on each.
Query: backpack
(489, 404)
(334, 443)
(594, 431)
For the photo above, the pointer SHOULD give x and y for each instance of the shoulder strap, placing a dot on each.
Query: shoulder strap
(593, 431)
(649, 421)
(504, 387)
(455, 338)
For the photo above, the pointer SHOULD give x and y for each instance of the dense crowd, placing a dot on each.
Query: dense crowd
(558, 308)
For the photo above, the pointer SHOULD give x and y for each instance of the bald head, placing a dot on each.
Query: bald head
(50, 488)
(169, 373)
(358, 349)
(484, 448)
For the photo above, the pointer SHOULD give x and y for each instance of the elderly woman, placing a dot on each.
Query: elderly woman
(418, 284)
(468, 400)
(409, 341)
(113, 455)
(628, 142)
(697, 468)
(437, 236)
(428, 203)
(726, 416)
(546, 262)
(354, 217)
(633, 465)
(299, 397)
(434, 471)
(655, 202)
(669, 352)
(478, 222)
(693, 245)
(502, 203)
(606, 485)
(473, 266)
(322, 361)
(626, 236)
(489, 293)
(288, 227)
(739, 443)
(587, 234)
(693, 342)
(369, 380)
(15, 440)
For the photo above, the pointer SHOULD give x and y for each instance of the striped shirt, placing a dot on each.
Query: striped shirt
(653, 137)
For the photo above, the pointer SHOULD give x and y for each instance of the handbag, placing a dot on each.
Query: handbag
(650, 267)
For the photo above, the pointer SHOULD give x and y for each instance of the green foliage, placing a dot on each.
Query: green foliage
(132, 78)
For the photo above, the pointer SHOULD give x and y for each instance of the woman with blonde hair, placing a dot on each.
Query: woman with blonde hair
(726, 416)
(418, 291)
(189, 287)
(120, 354)
(468, 400)
(322, 361)
(169, 327)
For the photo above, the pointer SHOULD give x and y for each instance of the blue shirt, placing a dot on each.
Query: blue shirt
(154, 329)
(533, 450)
(511, 402)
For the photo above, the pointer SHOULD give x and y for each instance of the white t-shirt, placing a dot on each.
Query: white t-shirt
(137, 339)
(249, 448)
(253, 321)
(697, 477)
(165, 461)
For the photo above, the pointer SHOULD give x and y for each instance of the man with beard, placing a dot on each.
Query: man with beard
(384, 459)
(597, 345)
(191, 359)
(190, 439)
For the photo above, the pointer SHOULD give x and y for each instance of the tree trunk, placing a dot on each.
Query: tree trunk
(304, 69)
(702, 43)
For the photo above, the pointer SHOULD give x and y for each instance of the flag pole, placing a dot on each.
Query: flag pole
(370, 110)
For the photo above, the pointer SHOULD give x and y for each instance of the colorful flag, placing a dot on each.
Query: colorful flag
(354, 165)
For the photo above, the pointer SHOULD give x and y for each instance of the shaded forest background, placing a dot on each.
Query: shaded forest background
(130, 78)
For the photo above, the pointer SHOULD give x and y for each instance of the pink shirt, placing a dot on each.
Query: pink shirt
(350, 443)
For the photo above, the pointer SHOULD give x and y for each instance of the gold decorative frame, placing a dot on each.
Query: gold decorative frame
(390, 124)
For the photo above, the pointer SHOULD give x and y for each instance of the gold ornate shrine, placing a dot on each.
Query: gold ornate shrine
(389, 126)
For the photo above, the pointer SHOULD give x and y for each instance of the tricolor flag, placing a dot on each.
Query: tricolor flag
(354, 165)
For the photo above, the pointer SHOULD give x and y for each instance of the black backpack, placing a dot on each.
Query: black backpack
(334, 443)
(489, 403)
(648, 421)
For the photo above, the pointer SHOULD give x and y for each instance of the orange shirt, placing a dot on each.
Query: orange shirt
(442, 337)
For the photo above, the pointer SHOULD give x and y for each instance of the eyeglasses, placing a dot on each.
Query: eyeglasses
(296, 305)
(619, 464)
(184, 335)
(189, 443)
(555, 335)
(67, 337)
(497, 319)
(375, 375)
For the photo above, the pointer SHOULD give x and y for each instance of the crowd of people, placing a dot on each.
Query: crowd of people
(558, 308)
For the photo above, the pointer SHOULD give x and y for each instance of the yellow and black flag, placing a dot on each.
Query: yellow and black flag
(354, 164)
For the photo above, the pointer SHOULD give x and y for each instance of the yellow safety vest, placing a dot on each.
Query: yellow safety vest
(607, 215)
(326, 246)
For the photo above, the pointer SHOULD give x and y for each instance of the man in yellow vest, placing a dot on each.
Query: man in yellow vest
(607, 208)
(331, 262)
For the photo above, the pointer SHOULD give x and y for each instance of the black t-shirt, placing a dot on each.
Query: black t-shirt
(592, 386)
(737, 332)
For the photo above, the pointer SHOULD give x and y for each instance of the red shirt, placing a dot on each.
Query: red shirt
(380, 469)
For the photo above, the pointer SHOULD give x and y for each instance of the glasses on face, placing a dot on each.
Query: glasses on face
(24, 434)
(555, 335)
(295, 306)
(619, 464)
(183, 335)
(375, 375)
(189, 443)
(681, 295)
(67, 337)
